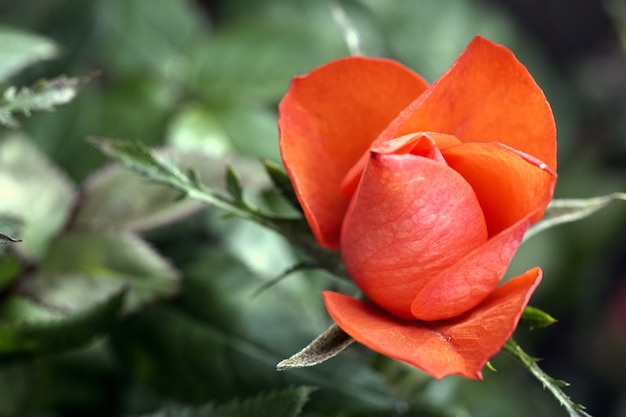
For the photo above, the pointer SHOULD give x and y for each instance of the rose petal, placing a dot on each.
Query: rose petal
(471, 279)
(410, 219)
(328, 120)
(508, 184)
(418, 144)
(458, 346)
(486, 96)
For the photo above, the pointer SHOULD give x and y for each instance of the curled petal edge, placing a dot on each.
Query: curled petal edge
(457, 346)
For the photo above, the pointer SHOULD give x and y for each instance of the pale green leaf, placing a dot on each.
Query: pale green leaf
(34, 191)
(113, 261)
(117, 198)
(19, 49)
(195, 128)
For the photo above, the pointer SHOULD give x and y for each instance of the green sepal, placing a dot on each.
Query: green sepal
(534, 317)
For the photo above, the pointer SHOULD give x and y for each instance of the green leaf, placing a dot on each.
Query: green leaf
(158, 168)
(32, 325)
(141, 37)
(569, 210)
(19, 50)
(264, 71)
(110, 260)
(327, 345)
(117, 198)
(237, 339)
(534, 317)
(42, 205)
(287, 402)
(549, 383)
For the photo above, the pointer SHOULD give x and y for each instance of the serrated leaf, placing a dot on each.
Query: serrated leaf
(158, 168)
(28, 326)
(117, 198)
(33, 190)
(569, 210)
(19, 49)
(284, 403)
(155, 167)
(327, 345)
(534, 317)
(114, 260)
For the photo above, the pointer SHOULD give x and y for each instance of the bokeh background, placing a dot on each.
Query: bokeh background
(206, 77)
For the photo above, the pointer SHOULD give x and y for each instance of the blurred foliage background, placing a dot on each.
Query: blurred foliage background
(125, 301)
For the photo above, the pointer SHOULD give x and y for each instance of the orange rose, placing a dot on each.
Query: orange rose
(427, 191)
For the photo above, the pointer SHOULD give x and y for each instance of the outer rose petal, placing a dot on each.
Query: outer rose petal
(509, 184)
(486, 96)
(410, 219)
(459, 346)
(328, 120)
(471, 279)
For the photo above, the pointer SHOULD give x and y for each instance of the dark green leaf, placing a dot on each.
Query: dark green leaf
(29, 325)
(287, 402)
(236, 340)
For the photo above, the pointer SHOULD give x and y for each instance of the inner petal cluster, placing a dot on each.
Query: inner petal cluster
(411, 217)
